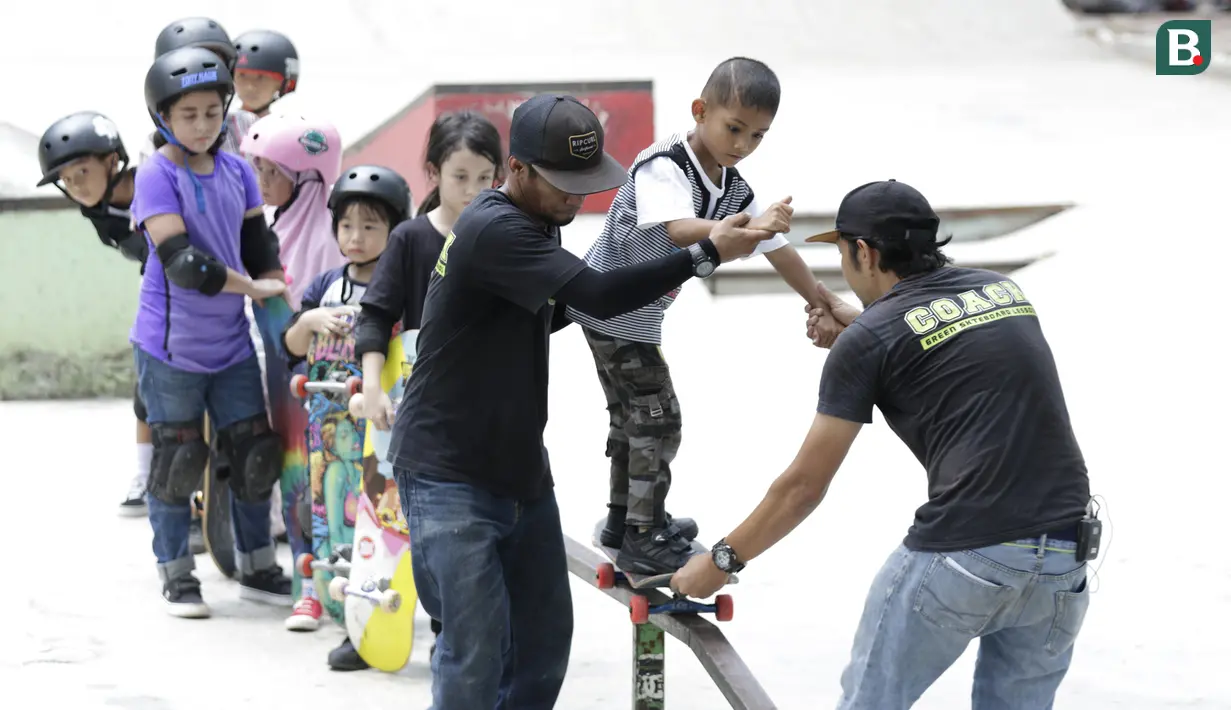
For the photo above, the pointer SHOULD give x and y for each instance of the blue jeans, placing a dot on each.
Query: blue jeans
(494, 572)
(232, 395)
(1024, 601)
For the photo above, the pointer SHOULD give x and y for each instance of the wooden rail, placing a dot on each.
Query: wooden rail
(725, 667)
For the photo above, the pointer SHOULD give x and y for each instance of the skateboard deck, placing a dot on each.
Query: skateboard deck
(335, 452)
(608, 576)
(379, 592)
(214, 504)
(289, 419)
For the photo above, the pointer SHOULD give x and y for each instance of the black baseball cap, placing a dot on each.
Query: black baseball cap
(887, 209)
(563, 140)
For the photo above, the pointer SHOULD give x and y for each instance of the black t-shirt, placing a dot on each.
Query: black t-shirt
(399, 282)
(476, 404)
(957, 364)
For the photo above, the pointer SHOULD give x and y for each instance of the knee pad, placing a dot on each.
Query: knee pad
(180, 457)
(255, 455)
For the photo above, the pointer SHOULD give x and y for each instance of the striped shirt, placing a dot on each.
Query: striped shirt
(665, 183)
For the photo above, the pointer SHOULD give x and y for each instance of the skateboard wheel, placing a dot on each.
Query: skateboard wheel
(605, 576)
(304, 563)
(297, 386)
(639, 609)
(354, 385)
(355, 405)
(337, 589)
(726, 607)
(390, 601)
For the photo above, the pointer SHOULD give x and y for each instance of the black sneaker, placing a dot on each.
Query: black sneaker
(613, 534)
(183, 598)
(134, 504)
(268, 586)
(651, 552)
(196, 537)
(346, 658)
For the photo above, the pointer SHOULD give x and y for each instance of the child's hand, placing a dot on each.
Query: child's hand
(378, 409)
(328, 321)
(776, 219)
(262, 289)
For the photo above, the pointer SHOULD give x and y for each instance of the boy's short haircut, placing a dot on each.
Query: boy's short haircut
(367, 206)
(740, 81)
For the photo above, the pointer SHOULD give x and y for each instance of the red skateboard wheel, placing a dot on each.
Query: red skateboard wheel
(639, 609)
(297, 386)
(354, 385)
(606, 576)
(726, 607)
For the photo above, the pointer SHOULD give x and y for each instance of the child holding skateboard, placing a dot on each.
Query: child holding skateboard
(366, 203)
(200, 209)
(297, 161)
(82, 155)
(678, 190)
(266, 69)
(463, 158)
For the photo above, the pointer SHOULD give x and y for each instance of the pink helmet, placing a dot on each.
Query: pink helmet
(297, 144)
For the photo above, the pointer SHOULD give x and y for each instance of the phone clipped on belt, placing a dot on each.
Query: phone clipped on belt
(1089, 534)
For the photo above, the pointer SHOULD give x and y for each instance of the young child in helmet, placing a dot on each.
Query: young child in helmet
(82, 155)
(208, 34)
(201, 210)
(297, 161)
(365, 204)
(266, 69)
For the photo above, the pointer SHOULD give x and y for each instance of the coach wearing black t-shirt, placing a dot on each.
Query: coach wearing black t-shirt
(956, 362)
(467, 443)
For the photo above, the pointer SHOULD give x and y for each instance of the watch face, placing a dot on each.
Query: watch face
(722, 559)
(705, 268)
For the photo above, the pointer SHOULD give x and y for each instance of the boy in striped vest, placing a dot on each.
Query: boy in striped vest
(677, 189)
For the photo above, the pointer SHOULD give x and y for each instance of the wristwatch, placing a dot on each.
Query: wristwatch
(702, 264)
(725, 558)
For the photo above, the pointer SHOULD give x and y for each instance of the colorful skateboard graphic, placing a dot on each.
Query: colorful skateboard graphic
(335, 442)
(290, 420)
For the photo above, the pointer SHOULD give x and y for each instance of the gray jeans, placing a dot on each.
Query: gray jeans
(1025, 601)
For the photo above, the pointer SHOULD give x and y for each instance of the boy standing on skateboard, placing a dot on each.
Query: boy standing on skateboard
(679, 188)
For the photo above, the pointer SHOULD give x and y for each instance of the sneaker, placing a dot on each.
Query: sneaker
(652, 551)
(268, 586)
(134, 503)
(306, 615)
(346, 658)
(183, 598)
(196, 537)
(613, 534)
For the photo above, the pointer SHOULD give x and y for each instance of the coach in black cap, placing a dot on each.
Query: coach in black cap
(467, 443)
(958, 366)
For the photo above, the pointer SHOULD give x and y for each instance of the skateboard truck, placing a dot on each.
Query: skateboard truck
(338, 562)
(640, 609)
(301, 387)
(376, 592)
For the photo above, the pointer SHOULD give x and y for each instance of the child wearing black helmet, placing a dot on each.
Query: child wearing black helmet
(201, 210)
(266, 69)
(82, 155)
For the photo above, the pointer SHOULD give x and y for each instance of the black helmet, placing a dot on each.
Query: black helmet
(195, 32)
(182, 71)
(376, 182)
(76, 136)
(270, 52)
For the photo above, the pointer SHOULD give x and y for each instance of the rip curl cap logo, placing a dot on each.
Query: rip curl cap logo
(583, 146)
(201, 77)
(104, 128)
(314, 142)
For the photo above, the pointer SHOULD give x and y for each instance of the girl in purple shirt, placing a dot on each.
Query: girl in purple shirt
(201, 211)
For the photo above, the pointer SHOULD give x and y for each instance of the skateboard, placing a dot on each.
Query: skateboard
(289, 420)
(335, 450)
(214, 503)
(379, 592)
(639, 608)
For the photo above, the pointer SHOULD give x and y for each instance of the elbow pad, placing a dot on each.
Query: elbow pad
(189, 267)
(134, 247)
(258, 247)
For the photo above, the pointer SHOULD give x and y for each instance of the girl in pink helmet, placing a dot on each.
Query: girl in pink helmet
(297, 161)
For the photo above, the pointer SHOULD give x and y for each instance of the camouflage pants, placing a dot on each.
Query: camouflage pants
(645, 426)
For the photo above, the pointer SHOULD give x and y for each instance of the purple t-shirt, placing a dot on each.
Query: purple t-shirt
(186, 328)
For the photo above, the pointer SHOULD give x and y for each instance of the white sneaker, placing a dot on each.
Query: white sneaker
(134, 504)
